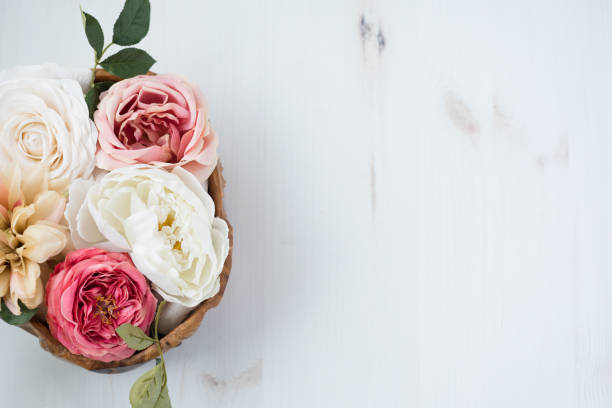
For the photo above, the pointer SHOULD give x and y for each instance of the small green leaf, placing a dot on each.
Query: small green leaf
(164, 399)
(103, 86)
(10, 318)
(134, 336)
(91, 99)
(133, 23)
(94, 33)
(128, 62)
(150, 390)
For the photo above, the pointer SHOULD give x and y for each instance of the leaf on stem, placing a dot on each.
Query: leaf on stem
(132, 25)
(151, 389)
(128, 63)
(94, 33)
(16, 320)
(93, 95)
(134, 336)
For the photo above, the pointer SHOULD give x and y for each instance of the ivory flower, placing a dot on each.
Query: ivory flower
(44, 121)
(30, 233)
(165, 221)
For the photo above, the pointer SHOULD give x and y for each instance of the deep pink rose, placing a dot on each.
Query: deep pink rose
(160, 120)
(92, 293)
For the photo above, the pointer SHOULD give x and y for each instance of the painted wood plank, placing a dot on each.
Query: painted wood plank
(420, 196)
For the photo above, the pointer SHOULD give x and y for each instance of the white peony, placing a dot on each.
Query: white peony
(44, 120)
(164, 220)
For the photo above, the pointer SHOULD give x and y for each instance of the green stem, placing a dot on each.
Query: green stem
(93, 71)
(159, 309)
(97, 59)
(106, 48)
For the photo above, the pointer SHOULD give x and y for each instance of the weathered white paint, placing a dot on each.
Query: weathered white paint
(420, 223)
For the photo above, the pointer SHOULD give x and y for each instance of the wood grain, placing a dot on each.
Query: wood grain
(422, 191)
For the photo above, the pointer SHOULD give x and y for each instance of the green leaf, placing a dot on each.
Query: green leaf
(94, 33)
(133, 23)
(128, 62)
(93, 95)
(164, 399)
(134, 336)
(91, 99)
(10, 318)
(103, 86)
(151, 390)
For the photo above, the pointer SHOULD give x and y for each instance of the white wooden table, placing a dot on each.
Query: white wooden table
(421, 198)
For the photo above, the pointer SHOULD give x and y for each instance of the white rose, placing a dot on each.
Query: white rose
(164, 220)
(44, 120)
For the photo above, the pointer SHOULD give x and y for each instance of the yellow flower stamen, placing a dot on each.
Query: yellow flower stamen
(167, 223)
(106, 309)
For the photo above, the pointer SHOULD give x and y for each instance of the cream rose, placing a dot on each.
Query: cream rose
(165, 221)
(44, 121)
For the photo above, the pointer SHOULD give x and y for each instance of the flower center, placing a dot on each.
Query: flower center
(10, 239)
(106, 309)
(171, 232)
(32, 139)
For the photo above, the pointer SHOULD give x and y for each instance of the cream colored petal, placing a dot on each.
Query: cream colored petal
(194, 185)
(48, 206)
(15, 195)
(5, 218)
(35, 182)
(59, 186)
(5, 278)
(21, 216)
(8, 242)
(16, 265)
(4, 195)
(42, 241)
(12, 304)
(37, 297)
(83, 230)
(26, 286)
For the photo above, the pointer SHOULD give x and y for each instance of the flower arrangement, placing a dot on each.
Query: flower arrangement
(112, 229)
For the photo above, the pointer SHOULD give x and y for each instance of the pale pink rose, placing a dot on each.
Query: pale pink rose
(160, 120)
(92, 293)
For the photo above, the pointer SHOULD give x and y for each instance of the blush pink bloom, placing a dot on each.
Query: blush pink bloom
(92, 293)
(160, 120)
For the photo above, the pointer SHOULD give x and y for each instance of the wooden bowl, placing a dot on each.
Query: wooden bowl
(186, 329)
